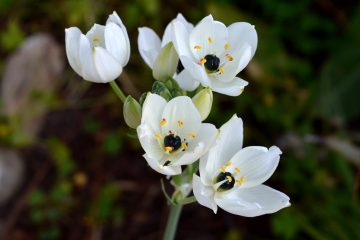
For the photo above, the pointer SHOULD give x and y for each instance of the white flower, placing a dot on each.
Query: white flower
(100, 55)
(214, 54)
(171, 133)
(231, 177)
(150, 46)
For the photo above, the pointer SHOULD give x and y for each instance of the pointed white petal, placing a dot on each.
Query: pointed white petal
(149, 143)
(182, 19)
(233, 88)
(200, 145)
(203, 194)
(72, 43)
(181, 109)
(115, 42)
(240, 33)
(152, 111)
(257, 164)
(114, 17)
(252, 202)
(86, 56)
(197, 71)
(228, 143)
(96, 35)
(180, 38)
(186, 80)
(149, 45)
(107, 66)
(166, 170)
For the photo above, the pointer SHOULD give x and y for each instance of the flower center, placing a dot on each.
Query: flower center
(179, 67)
(172, 141)
(212, 62)
(229, 181)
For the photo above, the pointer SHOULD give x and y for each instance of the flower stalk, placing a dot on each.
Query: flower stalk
(117, 91)
(172, 222)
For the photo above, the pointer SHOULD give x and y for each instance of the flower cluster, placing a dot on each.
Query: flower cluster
(188, 63)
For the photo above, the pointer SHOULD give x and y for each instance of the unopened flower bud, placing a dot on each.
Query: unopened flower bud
(203, 102)
(165, 63)
(132, 112)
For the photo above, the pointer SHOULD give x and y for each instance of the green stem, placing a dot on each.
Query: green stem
(117, 91)
(171, 226)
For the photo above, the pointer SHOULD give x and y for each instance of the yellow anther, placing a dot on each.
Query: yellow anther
(221, 69)
(198, 47)
(168, 149)
(237, 169)
(229, 179)
(226, 46)
(184, 145)
(222, 169)
(158, 135)
(163, 122)
(240, 181)
(210, 39)
(96, 40)
(191, 135)
(228, 164)
(229, 57)
(202, 61)
(180, 123)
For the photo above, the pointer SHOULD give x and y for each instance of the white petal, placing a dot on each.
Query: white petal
(86, 56)
(166, 170)
(228, 143)
(152, 110)
(181, 109)
(114, 17)
(252, 202)
(180, 38)
(72, 42)
(186, 80)
(203, 194)
(198, 72)
(233, 88)
(208, 28)
(149, 45)
(240, 33)
(107, 66)
(96, 35)
(200, 145)
(257, 164)
(149, 143)
(115, 42)
(182, 19)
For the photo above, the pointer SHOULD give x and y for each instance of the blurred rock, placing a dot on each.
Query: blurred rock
(11, 173)
(31, 75)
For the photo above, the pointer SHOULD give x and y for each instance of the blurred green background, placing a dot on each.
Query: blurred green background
(84, 176)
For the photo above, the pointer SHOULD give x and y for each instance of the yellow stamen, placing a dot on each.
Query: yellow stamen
(96, 40)
(191, 135)
(210, 39)
(198, 47)
(221, 69)
(229, 57)
(240, 181)
(226, 46)
(229, 179)
(202, 61)
(222, 169)
(180, 123)
(228, 164)
(168, 149)
(237, 169)
(163, 122)
(158, 135)
(184, 145)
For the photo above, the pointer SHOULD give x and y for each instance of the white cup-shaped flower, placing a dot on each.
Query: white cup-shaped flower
(150, 46)
(100, 55)
(172, 134)
(231, 177)
(214, 54)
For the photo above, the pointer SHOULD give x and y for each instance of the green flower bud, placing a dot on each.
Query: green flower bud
(132, 112)
(203, 102)
(165, 63)
(160, 89)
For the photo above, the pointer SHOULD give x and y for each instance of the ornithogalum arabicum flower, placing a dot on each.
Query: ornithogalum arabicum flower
(171, 133)
(100, 55)
(231, 177)
(214, 54)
